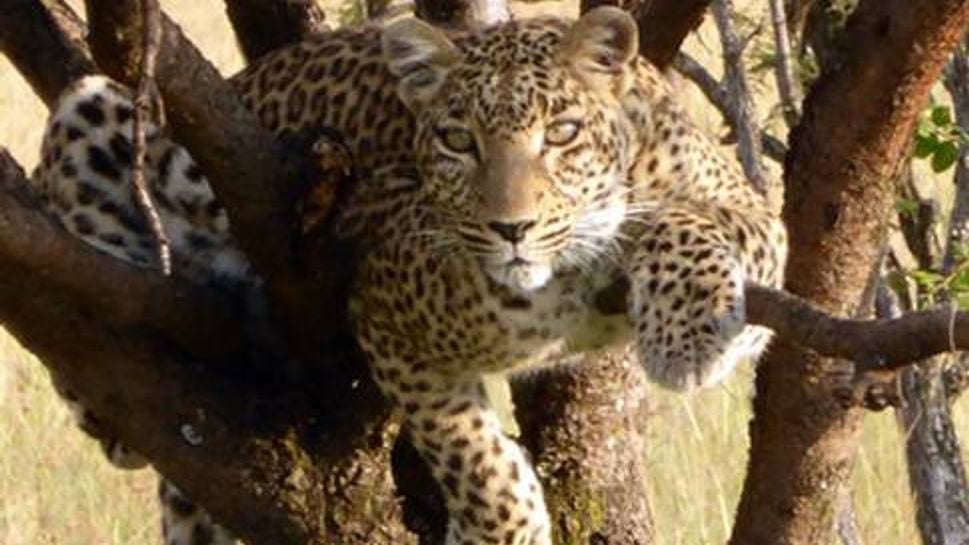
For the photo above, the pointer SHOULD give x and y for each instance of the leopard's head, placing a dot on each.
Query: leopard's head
(522, 144)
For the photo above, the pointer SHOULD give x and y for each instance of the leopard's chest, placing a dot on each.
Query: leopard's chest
(450, 312)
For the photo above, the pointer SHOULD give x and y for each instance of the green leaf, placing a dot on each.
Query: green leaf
(945, 156)
(941, 115)
(925, 145)
(962, 301)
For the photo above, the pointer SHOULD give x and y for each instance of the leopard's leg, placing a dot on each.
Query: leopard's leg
(687, 273)
(185, 523)
(115, 451)
(490, 489)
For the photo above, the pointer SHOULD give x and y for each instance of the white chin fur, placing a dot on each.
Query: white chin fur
(523, 278)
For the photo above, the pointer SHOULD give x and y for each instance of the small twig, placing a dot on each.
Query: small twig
(885, 344)
(151, 42)
(787, 86)
(719, 97)
(748, 130)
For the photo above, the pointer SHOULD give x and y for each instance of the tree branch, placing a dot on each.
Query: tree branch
(937, 475)
(718, 95)
(46, 45)
(245, 165)
(262, 26)
(71, 304)
(787, 86)
(117, 292)
(741, 101)
(145, 96)
(871, 344)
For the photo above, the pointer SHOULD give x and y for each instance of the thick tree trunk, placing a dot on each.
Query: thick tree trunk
(839, 177)
(585, 426)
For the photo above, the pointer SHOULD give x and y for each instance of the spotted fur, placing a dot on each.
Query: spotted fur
(509, 175)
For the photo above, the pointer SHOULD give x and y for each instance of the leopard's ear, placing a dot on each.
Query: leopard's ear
(420, 56)
(600, 49)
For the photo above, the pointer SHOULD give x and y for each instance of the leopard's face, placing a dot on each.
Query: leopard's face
(522, 144)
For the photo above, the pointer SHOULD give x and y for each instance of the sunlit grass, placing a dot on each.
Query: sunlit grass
(55, 486)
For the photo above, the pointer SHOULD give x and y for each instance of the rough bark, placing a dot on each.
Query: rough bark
(663, 24)
(839, 176)
(572, 420)
(46, 279)
(36, 38)
(264, 25)
(871, 344)
(61, 263)
(956, 376)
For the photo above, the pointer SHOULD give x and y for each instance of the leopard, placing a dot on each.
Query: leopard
(508, 176)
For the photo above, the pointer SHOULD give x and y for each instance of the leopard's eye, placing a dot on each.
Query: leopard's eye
(457, 139)
(561, 133)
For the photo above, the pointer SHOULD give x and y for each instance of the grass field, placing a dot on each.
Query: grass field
(55, 487)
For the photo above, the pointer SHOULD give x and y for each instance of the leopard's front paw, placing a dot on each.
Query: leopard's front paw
(688, 308)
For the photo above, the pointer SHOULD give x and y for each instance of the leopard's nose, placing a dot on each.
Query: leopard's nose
(512, 232)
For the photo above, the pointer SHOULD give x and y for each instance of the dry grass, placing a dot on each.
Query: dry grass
(55, 487)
